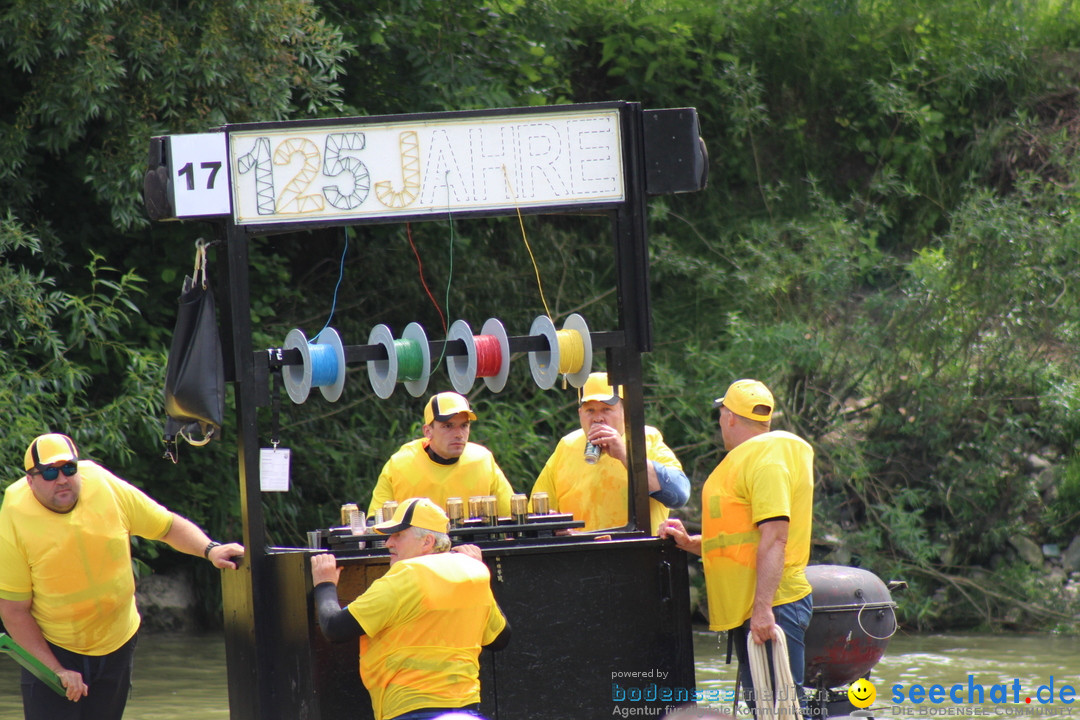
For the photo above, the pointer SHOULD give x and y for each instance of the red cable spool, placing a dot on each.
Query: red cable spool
(488, 355)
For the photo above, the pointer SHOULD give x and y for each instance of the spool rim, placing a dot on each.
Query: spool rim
(329, 336)
(545, 373)
(462, 372)
(415, 331)
(494, 327)
(577, 322)
(383, 373)
(297, 381)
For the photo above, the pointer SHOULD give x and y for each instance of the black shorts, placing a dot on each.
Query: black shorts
(108, 678)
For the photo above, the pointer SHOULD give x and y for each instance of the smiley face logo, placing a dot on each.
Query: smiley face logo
(862, 693)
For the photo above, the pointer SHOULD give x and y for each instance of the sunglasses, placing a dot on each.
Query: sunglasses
(51, 473)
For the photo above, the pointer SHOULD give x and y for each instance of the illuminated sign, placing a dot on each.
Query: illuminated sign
(365, 171)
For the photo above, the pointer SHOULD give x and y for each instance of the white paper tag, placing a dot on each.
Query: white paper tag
(274, 469)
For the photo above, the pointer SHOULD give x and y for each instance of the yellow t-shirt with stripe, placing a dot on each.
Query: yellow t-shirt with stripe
(424, 623)
(597, 494)
(410, 472)
(76, 566)
(770, 475)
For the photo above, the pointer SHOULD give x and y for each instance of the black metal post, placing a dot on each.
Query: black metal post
(248, 619)
(632, 268)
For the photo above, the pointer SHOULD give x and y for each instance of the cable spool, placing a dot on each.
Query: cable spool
(545, 364)
(462, 368)
(573, 329)
(331, 391)
(383, 373)
(493, 345)
(322, 364)
(414, 359)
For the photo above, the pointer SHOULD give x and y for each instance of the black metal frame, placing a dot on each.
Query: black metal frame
(251, 596)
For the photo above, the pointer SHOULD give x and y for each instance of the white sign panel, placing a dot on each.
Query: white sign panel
(274, 469)
(297, 174)
(199, 186)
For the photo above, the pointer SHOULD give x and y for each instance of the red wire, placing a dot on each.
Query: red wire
(420, 264)
(488, 355)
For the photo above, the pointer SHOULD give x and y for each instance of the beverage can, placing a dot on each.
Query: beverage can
(592, 453)
(540, 503)
(519, 507)
(346, 513)
(388, 509)
(455, 511)
(490, 511)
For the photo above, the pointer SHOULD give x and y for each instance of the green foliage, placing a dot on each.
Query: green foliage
(1062, 515)
(56, 342)
(889, 239)
(909, 302)
(82, 334)
(105, 76)
(418, 55)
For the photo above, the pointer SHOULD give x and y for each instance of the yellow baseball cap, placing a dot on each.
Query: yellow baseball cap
(446, 405)
(415, 512)
(49, 449)
(743, 397)
(597, 387)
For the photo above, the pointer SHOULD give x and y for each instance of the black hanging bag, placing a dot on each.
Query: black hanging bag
(195, 373)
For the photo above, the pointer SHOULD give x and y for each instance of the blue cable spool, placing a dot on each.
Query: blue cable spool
(322, 365)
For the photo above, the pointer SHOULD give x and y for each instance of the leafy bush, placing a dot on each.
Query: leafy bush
(889, 239)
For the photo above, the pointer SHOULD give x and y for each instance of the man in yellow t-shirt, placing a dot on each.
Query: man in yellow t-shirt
(422, 624)
(757, 512)
(443, 463)
(594, 489)
(67, 593)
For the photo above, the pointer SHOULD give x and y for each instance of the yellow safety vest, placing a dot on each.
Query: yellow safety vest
(768, 476)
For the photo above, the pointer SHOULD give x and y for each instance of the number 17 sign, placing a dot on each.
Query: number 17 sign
(199, 186)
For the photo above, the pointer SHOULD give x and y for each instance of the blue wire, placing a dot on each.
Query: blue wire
(341, 274)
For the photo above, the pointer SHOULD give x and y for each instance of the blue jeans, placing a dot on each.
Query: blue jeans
(435, 713)
(793, 618)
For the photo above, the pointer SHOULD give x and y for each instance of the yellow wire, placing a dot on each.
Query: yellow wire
(524, 237)
(571, 351)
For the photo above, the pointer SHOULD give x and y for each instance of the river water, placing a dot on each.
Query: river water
(184, 677)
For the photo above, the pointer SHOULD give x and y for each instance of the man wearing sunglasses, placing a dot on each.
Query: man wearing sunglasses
(67, 593)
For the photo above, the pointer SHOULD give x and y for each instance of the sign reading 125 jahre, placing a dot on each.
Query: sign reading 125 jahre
(324, 173)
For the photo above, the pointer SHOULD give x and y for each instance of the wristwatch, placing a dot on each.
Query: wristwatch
(213, 544)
